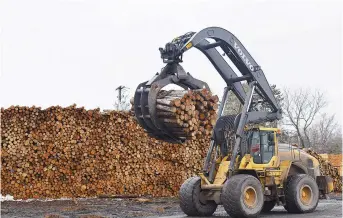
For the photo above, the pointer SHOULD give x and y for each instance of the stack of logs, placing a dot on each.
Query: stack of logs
(72, 152)
(187, 113)
(327, 169)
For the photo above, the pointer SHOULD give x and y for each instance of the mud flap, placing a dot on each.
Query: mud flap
(325, 185)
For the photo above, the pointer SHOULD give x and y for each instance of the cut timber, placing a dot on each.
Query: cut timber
(327, 169)
(172, 93)
(169, 120)
(70, 152)
(193, 109)
(169, 102)
(165, 108)
(165, 114)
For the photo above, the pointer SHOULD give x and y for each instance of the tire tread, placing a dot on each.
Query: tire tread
(291, 194)
(231, 195)
(188, 200)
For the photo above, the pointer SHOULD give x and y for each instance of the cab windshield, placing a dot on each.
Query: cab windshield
(261, 145)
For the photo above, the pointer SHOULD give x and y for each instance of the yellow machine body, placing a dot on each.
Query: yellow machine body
(286, 160)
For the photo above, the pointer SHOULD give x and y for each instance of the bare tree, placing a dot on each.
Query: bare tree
(288, 136)
(123, 101)
(315, 138)
(335, 142)
(301, 107)
(234, 106)
(327, 126)
(323, 131)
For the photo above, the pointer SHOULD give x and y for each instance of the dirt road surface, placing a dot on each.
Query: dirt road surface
(139, 207)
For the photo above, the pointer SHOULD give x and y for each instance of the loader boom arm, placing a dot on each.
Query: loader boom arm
(250, 70)
(237, 53)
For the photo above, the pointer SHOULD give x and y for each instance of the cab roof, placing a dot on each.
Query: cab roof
(262, 128)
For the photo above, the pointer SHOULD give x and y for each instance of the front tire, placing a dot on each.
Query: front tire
(242, 196)
(301, 194)
(190, 199)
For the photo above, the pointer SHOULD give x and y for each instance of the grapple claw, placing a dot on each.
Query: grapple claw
(146, 95)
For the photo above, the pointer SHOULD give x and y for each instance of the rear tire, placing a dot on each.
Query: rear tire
(268, 206)
(242, 196)
(301, 194)
(190, 199)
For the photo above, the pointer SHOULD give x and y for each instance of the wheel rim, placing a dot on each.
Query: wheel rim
(306, 194)
(250, 196)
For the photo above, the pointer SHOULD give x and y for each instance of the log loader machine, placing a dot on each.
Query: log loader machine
(246, 169)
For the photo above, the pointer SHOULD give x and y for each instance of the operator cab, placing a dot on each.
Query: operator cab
(261, 144)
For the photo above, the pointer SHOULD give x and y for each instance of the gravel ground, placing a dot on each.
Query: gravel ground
(155, 207)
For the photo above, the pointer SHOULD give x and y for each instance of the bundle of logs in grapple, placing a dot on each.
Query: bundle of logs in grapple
(327, 169)
(187, 113)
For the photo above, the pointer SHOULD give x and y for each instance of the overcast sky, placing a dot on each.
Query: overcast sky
(65, 52)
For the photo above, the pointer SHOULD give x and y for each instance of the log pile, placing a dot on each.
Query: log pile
(72, 152)
(327, 169)
(335, 160)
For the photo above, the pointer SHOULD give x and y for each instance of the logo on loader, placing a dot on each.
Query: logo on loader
(240, 52)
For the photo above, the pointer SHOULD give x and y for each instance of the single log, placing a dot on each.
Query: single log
(165, 114)
(169, 102)
(172, 93)
(166, 120)
(165, 108)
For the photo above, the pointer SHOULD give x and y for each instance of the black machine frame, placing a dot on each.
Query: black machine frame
(146, 92)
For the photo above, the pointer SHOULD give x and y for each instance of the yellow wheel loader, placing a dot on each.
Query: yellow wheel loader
(247, 169)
